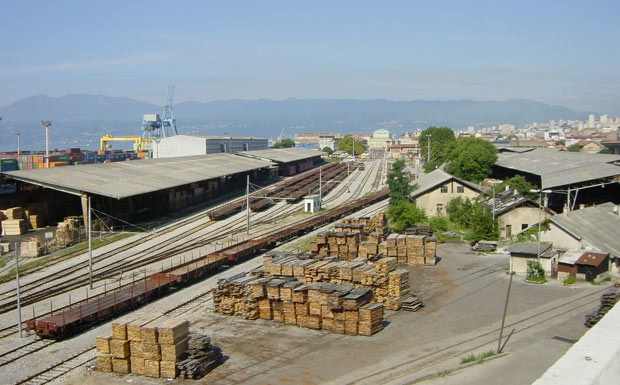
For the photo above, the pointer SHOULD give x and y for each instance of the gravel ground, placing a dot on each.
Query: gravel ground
(464, 296)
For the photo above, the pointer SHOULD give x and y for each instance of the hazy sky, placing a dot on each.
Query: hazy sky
(559, 52)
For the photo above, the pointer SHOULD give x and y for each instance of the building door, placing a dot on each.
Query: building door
(508, 231)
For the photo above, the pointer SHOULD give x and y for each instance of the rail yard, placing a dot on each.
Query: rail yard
(179, 266)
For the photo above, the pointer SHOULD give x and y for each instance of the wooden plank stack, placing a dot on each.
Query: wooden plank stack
(336, 243)
(372, 273)
(145, 348)
(30, 247)
(320, 305)
(14, 224)
(202, 357)
(414, 250)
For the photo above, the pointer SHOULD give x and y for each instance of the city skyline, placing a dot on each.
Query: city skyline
(397, 50)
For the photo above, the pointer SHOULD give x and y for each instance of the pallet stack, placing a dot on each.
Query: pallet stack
(413, 250)
(337, 244)
(144, 348)
(378, 274)
(337, 308)
(15, 224)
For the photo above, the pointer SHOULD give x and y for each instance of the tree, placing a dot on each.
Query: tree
(399, 182)
(474, 217)
(471, 159)
(518, 183)
(284, 143)
(348, 144)
(327, 150)
(441, 138)
(403, 214)
(574, 148)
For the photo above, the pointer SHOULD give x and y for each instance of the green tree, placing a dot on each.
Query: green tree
(284, 143)
(604, 151)
(471, 159)
(403, 214)
(399, 182)
(327, 150)
(574, 148)
(441, 139)
(348, 144)
(518, 183)
(474, 217)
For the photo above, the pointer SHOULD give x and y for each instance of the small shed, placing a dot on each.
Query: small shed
(312, 203)
(521, 253)
(583, 265)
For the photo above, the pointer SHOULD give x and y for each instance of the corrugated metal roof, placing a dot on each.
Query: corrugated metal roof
(560, 168)
(283, 155)
(592, 259)
(529, 248)
(570, 257)
(597, 225)
(124, 179)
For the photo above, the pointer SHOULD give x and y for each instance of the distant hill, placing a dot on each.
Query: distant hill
(81, 119)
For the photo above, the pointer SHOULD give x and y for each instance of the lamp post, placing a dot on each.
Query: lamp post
(47, 124)
(17, 134)
(540, 193)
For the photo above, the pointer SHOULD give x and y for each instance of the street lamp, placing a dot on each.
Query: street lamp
(17, 134)
(47, 123)
(540, 192)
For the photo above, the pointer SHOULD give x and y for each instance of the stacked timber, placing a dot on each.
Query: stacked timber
(608, 300)
(337, 244)
(202, 357)
(323, 306)
(30, 247)
(67, 231)
(413, 250)
(420, 230)
(151, 349)
(377, 223)
(14, 224)
(379, 274)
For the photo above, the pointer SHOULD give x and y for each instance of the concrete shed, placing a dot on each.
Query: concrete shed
(521, 253)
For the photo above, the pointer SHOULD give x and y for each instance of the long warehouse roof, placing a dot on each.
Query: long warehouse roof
(560, 168)
(124, 179)
(283, 155)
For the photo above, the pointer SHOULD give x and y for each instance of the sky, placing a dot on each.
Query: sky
(558, 52)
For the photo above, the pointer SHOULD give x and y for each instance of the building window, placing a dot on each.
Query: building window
(460, 189)
(524, 226)
(439, 208)
(444, 189)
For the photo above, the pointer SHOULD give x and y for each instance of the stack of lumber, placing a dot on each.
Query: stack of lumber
(608, 300)
(36, 214)
(14, 224)
(420, 230)
(30, 247)
(414, 250)
(370, 319)
(326, 306)
(485, 246)
(377, 223)
(202, 357)
(336, 243)
(378, 274)
(67, 232)
(145, 348)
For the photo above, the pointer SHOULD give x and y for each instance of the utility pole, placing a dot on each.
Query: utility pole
(90, 246)
(18, 150)
(501, 330)
(19, 307)
(247, 203)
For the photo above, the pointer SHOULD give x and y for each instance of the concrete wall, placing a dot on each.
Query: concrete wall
(518, 218)
(561, 239)
(519, 264)
(593, 360)
(428, 202)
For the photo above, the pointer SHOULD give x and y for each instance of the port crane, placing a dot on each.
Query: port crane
(154, 126)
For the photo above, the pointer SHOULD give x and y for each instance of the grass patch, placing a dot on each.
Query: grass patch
(570, 280)
(42, 261)
(480, 357)
(302, 246)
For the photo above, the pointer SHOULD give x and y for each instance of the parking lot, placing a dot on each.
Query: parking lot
(464, 296)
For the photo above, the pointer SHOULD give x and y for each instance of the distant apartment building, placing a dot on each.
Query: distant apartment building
(313, 138)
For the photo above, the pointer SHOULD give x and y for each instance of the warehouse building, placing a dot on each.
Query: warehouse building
(184, 145)
(290, 161)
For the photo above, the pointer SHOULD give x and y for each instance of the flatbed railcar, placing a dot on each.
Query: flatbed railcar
(75, 318)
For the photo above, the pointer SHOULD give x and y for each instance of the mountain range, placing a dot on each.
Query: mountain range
(79, 120)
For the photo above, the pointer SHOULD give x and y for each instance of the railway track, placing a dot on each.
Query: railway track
(36, 291)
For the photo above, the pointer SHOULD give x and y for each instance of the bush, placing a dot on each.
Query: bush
(535, 272)
(439, 223)
(570, 280)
